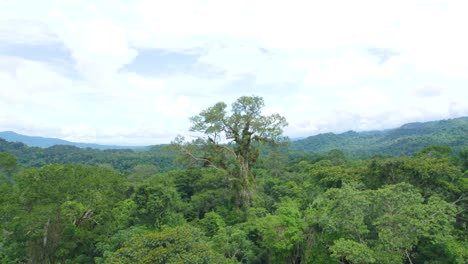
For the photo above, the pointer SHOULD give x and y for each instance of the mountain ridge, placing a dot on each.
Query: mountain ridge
(406, 139)
(45, 142)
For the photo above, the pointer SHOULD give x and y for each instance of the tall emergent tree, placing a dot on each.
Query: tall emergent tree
(230, 141)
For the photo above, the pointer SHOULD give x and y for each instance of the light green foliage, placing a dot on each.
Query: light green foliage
(458, 250)
(107, 247)
(352, 251)
(343, 211)
(123, 214)
(282, 232)
(212, 223)
(142, 172)
(182, 244)
(327, 175)
(399, 221)
(434, 175)
(12, 249)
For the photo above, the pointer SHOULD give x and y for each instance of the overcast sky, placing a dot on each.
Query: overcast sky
(133, 72)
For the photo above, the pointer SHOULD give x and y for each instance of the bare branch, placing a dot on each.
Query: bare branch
(461, 198)
(408, 256)
(190, 154)
(231, 151)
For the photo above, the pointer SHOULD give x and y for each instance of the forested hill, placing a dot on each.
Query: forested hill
(407, 139)
(123, 160)
(44, 142)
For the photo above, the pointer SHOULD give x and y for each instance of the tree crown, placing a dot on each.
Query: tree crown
(244, 125)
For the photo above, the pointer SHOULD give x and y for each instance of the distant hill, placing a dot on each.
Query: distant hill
(123, 160)
(406, 139)
(44, 142)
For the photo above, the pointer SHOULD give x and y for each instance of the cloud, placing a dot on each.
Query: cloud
(25, 32)
(429, 91)
(383, 54)
(118, 72)
(166, 63)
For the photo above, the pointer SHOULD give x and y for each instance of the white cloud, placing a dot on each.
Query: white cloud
(25, 32)
(309, 59)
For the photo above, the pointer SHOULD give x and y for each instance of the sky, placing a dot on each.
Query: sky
(133, 72)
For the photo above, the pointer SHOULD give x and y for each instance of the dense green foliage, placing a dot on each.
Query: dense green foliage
(69, 205)
(329, 210)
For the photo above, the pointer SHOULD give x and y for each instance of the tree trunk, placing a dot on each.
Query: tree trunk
(245, 191)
